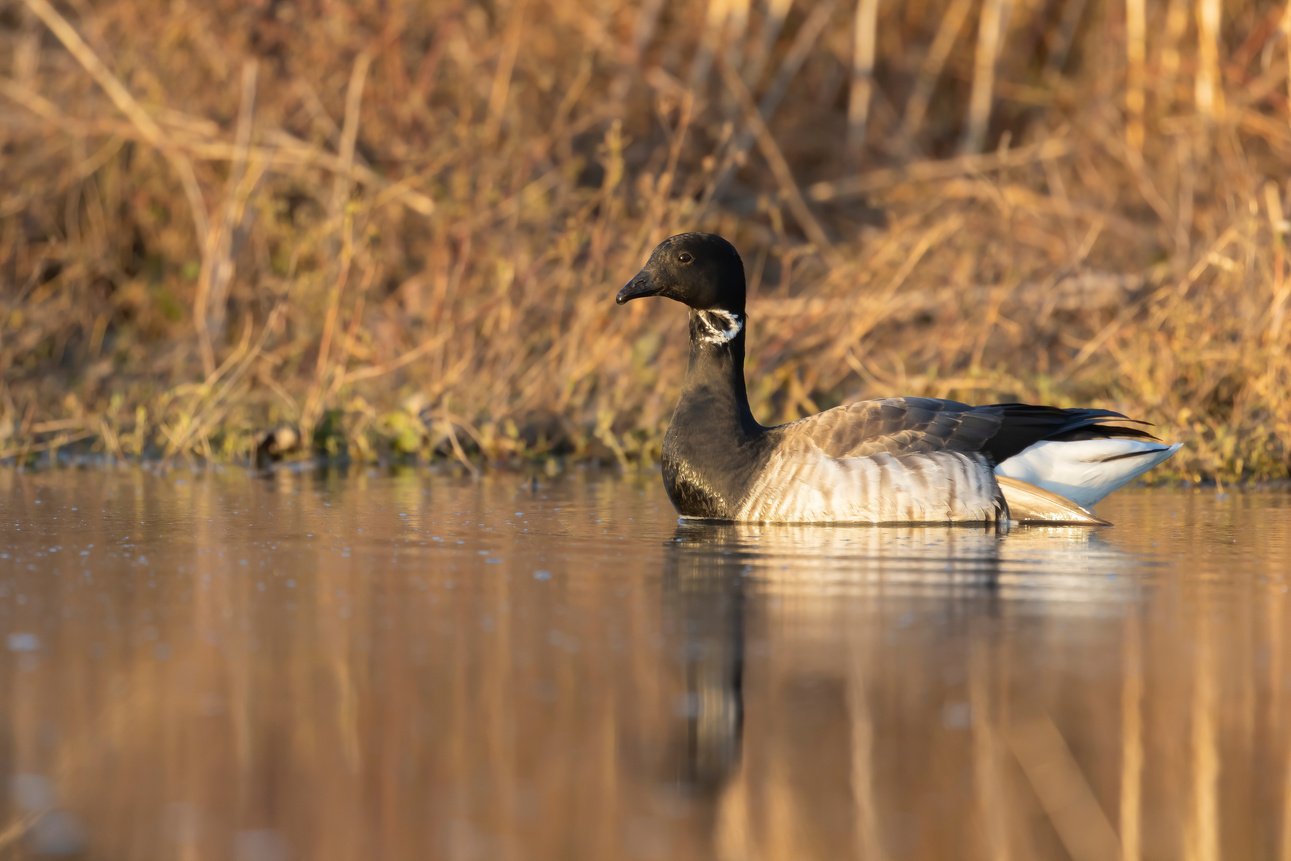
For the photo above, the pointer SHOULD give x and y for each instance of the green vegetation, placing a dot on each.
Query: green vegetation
(330, 218)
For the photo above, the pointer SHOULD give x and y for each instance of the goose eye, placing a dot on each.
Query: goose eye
(686, 257)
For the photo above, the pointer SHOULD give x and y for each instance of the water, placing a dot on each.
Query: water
(373, 666)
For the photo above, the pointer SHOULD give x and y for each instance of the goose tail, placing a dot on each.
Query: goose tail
(1084, 471)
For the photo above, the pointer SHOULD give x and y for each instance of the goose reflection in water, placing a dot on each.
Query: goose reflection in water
(705, 603)
(731, 588)
(1061, 563)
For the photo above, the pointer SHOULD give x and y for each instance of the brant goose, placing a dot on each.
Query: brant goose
(892, 460)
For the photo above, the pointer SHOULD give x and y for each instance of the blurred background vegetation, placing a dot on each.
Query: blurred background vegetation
(394, 230)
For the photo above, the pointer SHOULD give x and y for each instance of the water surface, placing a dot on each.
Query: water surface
(367, 666)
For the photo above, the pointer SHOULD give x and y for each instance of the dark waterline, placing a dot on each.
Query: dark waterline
(411, 666)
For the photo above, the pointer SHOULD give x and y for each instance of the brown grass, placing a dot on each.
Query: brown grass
(222, 218)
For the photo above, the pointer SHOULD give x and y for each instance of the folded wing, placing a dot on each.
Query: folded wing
(1051, 462)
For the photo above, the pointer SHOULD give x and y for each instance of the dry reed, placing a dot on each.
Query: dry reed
(347, 218)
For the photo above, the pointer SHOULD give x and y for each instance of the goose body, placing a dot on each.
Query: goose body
(892, 460)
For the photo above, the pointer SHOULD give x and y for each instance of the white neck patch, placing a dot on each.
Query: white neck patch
(718, 326)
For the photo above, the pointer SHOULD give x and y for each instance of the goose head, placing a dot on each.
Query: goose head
(701, 270)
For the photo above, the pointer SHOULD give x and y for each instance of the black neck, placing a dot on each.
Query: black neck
(715, 374)
(714, 447)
